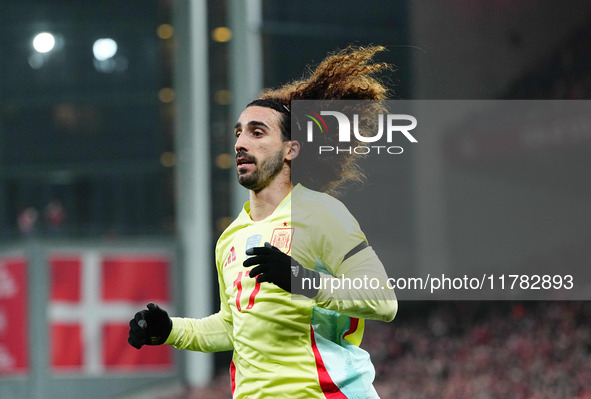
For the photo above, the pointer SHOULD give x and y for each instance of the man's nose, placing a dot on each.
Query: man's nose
(240, 144)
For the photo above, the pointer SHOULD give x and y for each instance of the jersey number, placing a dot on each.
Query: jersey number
(253, 294)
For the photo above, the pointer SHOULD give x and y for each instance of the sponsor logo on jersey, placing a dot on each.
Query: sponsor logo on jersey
(231, 257)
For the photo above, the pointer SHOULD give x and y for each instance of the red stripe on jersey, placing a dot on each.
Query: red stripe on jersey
(329, 388)
(354, 325)
(233, 376)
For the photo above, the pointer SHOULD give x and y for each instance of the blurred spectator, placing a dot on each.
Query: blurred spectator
(55, 216)
(27, 221)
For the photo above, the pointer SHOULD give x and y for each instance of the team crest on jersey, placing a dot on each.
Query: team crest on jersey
(281, 238)
(231, 257)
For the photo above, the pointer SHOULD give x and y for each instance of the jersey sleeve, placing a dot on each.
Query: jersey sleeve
(208, 334)
(359, 289)
(354, 282)
(340, 233)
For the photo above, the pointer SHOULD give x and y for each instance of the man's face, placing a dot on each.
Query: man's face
(260, 150)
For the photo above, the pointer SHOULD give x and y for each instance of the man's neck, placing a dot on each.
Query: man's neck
(265, 201)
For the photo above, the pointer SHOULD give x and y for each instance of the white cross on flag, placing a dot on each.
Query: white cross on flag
(93, 296)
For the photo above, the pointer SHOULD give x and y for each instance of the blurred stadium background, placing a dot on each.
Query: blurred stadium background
(116, 177)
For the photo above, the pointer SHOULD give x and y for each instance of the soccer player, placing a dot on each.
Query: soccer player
(285, 347)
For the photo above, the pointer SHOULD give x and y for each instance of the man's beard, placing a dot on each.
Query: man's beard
(264, 172)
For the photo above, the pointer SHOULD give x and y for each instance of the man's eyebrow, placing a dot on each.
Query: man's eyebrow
(251, 123)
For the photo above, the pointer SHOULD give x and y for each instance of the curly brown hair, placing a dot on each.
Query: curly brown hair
(348, 74)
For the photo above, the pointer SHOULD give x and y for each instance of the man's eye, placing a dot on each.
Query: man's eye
(237, 134)
(257, 133)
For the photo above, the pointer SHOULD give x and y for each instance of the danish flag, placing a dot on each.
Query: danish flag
(13, 315)
(93, 296)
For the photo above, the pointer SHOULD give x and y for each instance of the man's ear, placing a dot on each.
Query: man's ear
(293, 150)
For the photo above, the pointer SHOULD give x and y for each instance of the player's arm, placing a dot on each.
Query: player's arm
(359, 287)
(153, 326)
(373, 300)
(355, 282)
(209, 334)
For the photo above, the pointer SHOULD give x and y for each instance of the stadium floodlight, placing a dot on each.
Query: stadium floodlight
(44, 42)
(104, 49)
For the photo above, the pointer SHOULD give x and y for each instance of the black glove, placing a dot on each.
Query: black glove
(149, 327)
(282, 270)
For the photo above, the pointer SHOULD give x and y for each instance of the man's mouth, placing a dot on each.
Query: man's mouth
(244, 162)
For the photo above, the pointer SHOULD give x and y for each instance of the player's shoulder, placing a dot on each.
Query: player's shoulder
(320, 206)
(241, 221)
(308, 196)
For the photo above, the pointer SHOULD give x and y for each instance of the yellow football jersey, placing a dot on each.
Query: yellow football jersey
(286, 347)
